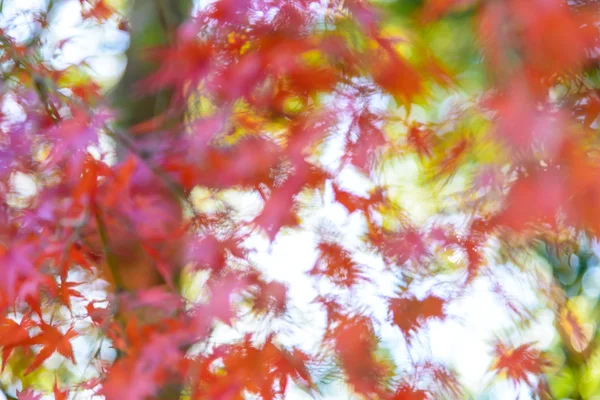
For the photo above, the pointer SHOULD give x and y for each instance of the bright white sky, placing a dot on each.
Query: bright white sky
(463, 341)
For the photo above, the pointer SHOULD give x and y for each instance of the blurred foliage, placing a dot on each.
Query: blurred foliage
(452, 132)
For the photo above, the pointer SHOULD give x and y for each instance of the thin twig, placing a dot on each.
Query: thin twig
(111, 260)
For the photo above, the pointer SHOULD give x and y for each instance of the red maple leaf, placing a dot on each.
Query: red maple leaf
(362, 152)
(185, 62)
(350, 201)
(421, 139)
(533, 199)
(220, 304)
(400, 247)
(100, 11)
(394, 74)
(407, 392)
(52, 340)
(13, 335)
(59, 394)
(65, 292)
(336, 263)
(411, 314)
(212, 253)
(520, 363)
(354, 342)
(270, 297)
